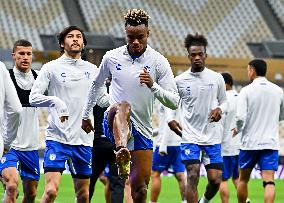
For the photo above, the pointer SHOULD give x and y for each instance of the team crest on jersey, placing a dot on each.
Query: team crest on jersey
(52, 157)
(63, 75)
(118, 66)
(3, 159)
(88, 75)
(147, 68)
(187, 151)
(210, 85)
(188, 90)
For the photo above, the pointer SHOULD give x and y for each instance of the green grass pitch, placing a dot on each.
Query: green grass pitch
(169, 193)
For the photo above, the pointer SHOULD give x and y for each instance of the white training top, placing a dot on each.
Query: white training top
(27, 138)
(9, 103)
(165, 136)
(230, 145)
(200, 93)
(67, 81)
(260, 107)
(125, 85)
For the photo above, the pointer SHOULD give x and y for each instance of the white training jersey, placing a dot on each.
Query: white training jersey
(165, 136)
(125, 85)
(10, 103)
(67, 81)
(200, 93)
(27, 137)
(230, 145)
(260, 107)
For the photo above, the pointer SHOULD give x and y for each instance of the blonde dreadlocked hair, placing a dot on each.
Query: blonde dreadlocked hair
(136, 17)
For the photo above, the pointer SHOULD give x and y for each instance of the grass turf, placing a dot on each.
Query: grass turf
(169, 192)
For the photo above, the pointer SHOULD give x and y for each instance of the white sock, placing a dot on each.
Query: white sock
(152, 202)
(203, 200)
(183, 201)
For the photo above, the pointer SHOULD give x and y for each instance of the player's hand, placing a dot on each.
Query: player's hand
(63, 119)
(87, 126)
(234, 131)
(145, 78)
(175, 126)
(215, 115)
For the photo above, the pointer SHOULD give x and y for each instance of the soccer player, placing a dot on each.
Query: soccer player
(167, 154)
(139, 75)
(10, 105)
(23, 154)
(203, 99)
(67, 80)
(230, 145)
(260, 107)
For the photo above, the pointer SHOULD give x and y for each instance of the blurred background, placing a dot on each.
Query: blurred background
(237, 31)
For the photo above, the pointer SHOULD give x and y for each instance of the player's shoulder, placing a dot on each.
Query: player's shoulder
(155, 54)
(122, 50)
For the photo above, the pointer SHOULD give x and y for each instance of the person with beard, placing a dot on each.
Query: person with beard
(139, 75)
(67, 80)
(203, 100)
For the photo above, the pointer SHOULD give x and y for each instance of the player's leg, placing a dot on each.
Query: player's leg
(116, 183)
(127, 192)
(159, 164)
(268, 164)
(140, 174)
(119, 123)
(190, 156)
(30, 190)
(54, 164)
(30, 174)
(80, 166)
(155, 186)
(179, 169)
(104, 179)
(247, 160)
(226, 174)
(100, 158)
(214, 171)
(9, 173)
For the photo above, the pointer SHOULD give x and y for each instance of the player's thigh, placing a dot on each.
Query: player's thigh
(141, 166)
(81, 184)
(30, 186)
(52, 180)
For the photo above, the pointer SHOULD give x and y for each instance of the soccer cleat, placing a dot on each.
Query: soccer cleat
(248, 200)
(123, 162)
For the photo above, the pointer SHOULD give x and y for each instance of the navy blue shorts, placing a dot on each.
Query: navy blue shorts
(78, 157)
(266, 159)
(26, 162)
(230, 167)
(172, 159)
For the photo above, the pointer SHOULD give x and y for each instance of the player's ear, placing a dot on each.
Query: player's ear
(148, 33)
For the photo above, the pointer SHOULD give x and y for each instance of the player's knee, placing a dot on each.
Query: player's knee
(265, 183)
(31, 196)
(51, 192)
(216, 181)
(12, 189)
(125, 106)
(140, 192)
(83, 195)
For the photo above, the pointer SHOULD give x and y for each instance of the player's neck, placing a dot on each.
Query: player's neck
(73, 55)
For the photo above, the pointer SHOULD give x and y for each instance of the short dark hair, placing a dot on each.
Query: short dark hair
(21, 42)
(228, 78)
(260, 66)
(195, 40)
(61, 36)
(135, 17)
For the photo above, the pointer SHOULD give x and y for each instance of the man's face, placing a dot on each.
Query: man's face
(197, 57)
(23, 58)
(251, 72)
(136, 37)
(73, 42)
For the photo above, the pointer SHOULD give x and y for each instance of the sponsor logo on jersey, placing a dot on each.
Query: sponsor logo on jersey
(88, 75)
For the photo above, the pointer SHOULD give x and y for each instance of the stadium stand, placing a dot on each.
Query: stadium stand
(28, 19)
(278, 8)
(229, 25)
